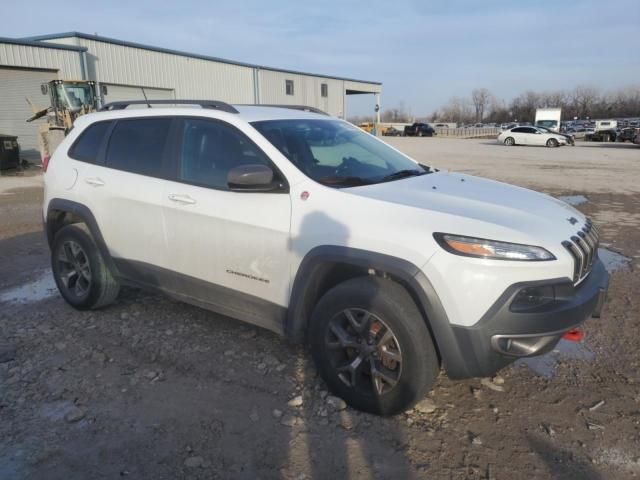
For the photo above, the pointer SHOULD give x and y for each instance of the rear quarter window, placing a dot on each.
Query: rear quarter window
(87, 147)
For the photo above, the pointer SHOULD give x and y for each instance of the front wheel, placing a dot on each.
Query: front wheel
(372, 346)
(552, 143)
(509, 142)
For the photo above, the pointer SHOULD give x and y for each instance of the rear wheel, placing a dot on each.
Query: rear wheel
(509, 142)
(552, 142)
(372, 347)
(79, 270)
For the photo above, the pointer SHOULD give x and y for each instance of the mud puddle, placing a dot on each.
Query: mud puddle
(43, 286)
(613, 261)
(545, 365)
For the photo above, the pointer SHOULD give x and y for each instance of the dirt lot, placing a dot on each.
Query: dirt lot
(151, 388)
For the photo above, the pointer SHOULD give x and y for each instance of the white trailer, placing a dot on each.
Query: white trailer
(549, 118)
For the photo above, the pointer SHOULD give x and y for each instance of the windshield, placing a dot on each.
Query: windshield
(336, 153)
(74, 96)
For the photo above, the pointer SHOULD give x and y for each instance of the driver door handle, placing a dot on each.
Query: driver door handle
(183, 199)
(94, 181)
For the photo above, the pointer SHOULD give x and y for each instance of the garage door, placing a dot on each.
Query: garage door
(117, 93)
(15, 85)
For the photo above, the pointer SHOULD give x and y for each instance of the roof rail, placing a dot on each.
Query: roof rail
(215, 104)
(304, 108)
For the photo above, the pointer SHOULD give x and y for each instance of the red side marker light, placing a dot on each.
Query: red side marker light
(574, 335)
(45, 162)
(304, 195)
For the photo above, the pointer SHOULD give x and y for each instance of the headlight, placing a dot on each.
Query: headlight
(483, 248)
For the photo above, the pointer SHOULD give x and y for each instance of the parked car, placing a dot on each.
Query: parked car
(577, 132)
(392, 132)
(531, 136)
(570, 138)
(626, 134)
(303, 224)
(419, 130)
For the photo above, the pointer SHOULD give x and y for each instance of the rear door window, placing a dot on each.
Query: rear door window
(87, 147)
(138, 145)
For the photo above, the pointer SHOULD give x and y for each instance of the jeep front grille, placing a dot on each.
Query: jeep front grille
(583, 247)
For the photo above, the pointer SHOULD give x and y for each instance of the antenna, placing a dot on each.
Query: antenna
(145, 97)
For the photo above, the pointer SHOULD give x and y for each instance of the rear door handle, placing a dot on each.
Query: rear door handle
(184, 199)
(94, 181)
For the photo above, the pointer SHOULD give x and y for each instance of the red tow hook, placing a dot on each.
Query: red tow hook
(574, 335)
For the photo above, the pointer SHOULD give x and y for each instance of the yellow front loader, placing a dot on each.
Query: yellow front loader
(68, 100)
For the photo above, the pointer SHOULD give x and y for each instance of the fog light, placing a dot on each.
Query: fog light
(532, 298)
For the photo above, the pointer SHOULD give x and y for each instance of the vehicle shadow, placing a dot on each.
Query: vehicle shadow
(338, 442)
(562, 463)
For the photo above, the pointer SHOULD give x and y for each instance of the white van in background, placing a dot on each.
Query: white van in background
(549, 118)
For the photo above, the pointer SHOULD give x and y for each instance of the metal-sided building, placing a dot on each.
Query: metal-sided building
(125, 68)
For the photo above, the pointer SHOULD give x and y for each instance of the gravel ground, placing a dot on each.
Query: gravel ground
(151, 388)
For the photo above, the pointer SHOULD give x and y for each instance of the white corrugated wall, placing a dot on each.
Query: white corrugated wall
(200, 78)
(15, 86)
(306, 91)
(66, 62)
(188, 77)
(30, 66)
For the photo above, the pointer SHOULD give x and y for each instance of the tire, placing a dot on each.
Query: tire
(408, 358)
(79, 270)
(509, 141)
(552, 143)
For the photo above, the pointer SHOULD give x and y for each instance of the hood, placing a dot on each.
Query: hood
(497, 210)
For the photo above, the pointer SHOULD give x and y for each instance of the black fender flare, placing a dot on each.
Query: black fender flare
(82, 212)
(307, 281)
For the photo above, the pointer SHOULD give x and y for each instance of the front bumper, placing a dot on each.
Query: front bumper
(502, 335)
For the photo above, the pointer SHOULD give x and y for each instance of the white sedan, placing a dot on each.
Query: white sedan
(530, 136)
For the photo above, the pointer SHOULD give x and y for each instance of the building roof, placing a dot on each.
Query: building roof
(37, 41)
(34, 43)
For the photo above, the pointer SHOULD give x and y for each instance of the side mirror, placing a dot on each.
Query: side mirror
(253, 177)
(44, 88)
(104, 90)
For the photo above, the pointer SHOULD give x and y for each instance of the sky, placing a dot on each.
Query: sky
(424, 52)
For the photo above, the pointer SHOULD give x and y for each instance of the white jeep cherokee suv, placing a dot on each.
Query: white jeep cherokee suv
(301, 223)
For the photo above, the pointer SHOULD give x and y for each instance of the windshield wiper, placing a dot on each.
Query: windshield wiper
(402, 174)
(350, 181)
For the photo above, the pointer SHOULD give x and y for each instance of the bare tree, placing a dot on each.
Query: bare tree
(481, 98)
(396, 114)
(584, 98)
(457, 110)
(581, 102)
